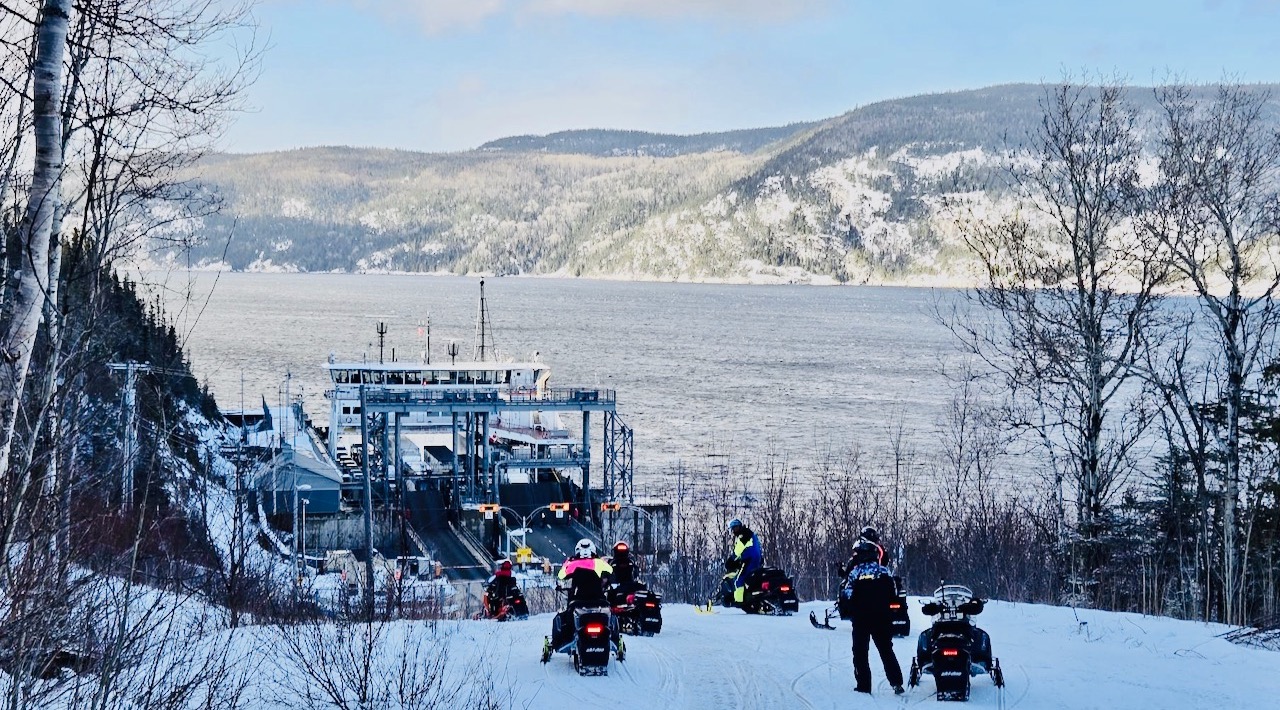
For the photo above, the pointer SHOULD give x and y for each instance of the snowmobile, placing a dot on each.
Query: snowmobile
(897, 609)
(638, 610)
(768, 590)
(954, 649)
(594, 636)
(512, 605)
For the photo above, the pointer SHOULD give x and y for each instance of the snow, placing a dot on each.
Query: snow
(1053, 657)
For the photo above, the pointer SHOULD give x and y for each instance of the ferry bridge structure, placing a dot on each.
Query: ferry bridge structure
(470, 411)
(479, 472)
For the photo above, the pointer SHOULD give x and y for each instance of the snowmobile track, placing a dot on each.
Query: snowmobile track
(795, 683)
(672, 685)
(556, 680)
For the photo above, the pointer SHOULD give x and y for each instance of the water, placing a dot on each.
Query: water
(700, 370)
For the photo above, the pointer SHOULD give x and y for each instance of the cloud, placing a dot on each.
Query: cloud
(436, 16)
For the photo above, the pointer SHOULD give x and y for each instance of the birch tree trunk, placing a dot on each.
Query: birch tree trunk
(22, 317)
(1217, 207)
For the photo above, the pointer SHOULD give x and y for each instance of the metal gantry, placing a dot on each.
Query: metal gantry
(619, 459)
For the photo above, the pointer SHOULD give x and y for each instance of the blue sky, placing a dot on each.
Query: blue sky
(445, 75)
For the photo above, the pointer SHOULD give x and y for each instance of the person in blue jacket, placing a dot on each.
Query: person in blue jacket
(865, 599)
(746, 558)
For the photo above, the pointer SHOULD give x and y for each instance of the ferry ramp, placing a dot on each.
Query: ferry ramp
(556, 541)
(428, 514)
(459, 562)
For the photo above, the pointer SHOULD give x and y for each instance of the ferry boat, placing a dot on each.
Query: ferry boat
(453, 465)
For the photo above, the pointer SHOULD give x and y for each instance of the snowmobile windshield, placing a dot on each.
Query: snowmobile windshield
(952, 595)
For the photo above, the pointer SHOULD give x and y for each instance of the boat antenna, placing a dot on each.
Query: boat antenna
(484, 328)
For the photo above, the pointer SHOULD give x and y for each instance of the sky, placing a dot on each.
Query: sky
(449, 75)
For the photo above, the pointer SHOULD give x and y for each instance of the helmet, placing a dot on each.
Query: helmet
(585, 549)
(621, 548)
(505, 565)
(869, 533)
(866, 551)
(735, 523)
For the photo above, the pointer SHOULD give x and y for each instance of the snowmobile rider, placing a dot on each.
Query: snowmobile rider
(747, 557)
(865, 599)
(585, 573)
(624, 568)
(868, 534)
(872, 536)
(500, 586)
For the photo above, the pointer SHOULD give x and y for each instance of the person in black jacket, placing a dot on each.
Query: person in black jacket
(865, 599)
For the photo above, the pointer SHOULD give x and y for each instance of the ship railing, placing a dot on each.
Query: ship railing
(383, 395)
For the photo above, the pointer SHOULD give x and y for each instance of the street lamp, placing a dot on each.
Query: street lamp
(296, 561)
(491, 508)
(616, 506)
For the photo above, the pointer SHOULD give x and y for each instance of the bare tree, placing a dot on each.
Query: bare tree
(1216, 208)
(1074, 288)
(20, 316)
(377, 665)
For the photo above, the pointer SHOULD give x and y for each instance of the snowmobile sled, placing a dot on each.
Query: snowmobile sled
(511, 606)
(638, 610)
(767, 590)
(898, 610)
(954, 649)
(588, 634)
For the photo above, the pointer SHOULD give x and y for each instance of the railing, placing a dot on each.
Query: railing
(384, 395)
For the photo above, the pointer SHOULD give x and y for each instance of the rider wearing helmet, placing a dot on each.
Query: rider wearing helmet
(865, 598)
(585, 573)
(746, 558)
(499, 588)
(872, 536)
(624, 568)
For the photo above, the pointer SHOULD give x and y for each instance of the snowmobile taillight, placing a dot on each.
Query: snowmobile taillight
(785, 588)
(595, 629)
(945, 651)
(650, 604)
(895, 606)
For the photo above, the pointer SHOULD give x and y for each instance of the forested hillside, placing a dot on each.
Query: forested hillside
(856, 198)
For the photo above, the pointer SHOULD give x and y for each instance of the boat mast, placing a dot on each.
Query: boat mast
(483, 328)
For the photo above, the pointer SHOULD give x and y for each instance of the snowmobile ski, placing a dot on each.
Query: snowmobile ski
(705, 608)
(824, 624)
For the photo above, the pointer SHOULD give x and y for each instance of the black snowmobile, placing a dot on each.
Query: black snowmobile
(593, 636)
(954, 649)
(768, 590)
(509, 606)
(897, 609)
(638, 610)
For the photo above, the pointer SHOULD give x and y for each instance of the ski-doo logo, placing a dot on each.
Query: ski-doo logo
(951, 674)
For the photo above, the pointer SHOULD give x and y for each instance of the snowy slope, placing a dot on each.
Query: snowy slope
(1053, 658)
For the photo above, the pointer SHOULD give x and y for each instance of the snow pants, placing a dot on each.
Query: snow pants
(882, 635)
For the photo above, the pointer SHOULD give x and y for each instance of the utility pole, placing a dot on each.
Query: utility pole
(382, 335)
(368, 506)
(131, 370)
(130, 434)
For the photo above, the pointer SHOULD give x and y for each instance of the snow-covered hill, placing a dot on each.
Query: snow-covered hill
(1053, 657)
